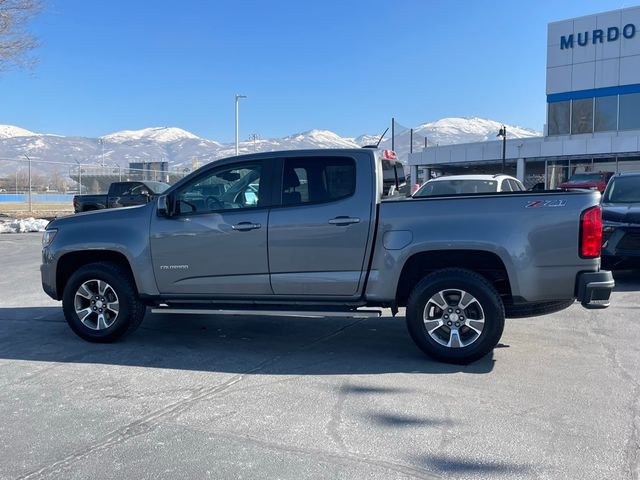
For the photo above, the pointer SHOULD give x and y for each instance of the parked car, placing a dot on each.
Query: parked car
(594, 180)
(621, 221)
(309, 233)
(121, 194)
(469, 184)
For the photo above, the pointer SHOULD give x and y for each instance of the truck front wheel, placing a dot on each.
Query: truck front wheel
(455, 316)
(101, 304)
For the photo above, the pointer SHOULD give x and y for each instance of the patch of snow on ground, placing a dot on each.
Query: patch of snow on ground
(23, 225)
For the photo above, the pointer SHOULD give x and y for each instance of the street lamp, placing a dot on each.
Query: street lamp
(238, 97)
(503, 133)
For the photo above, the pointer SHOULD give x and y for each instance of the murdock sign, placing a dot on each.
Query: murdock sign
(611, 34)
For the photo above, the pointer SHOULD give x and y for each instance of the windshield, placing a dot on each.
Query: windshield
(623, 190)
(453, 187)
(586, 177)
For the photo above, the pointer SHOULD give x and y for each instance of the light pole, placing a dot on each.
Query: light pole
(27, 157)
(79, 177)
(119, 171)
(503, 133)
(238, 97)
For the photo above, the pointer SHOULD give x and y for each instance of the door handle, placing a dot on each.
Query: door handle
(245, 226)
(344, 220)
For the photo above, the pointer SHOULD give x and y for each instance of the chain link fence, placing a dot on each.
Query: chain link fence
(28, 184)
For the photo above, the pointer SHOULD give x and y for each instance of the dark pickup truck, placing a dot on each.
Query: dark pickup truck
(121, 194)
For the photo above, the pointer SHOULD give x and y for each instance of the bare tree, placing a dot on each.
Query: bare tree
(15, 41)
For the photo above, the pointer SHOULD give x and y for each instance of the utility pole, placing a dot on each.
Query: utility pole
(254, 137)
(393, 134)
(503, 133)
(238, 97)
(30, 204)
(411, 140)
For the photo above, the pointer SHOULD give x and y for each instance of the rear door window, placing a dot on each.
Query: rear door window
(317, 180)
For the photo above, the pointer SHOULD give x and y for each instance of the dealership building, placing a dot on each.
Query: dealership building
(593, 110)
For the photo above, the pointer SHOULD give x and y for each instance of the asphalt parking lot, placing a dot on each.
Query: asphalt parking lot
(236, 397)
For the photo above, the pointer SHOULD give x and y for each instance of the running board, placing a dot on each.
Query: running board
(271, 313)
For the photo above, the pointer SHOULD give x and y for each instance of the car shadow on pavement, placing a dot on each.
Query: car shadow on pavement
(231, 344)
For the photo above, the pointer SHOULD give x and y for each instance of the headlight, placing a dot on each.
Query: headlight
(48, 237)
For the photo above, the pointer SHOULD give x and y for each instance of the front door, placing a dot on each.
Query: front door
(215, 242)
(318, 236)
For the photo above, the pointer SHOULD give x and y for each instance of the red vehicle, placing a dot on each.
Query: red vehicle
(595, 180)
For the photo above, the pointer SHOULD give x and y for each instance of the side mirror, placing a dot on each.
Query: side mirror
(163, 206)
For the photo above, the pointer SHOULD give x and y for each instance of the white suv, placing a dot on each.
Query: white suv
(469, 184)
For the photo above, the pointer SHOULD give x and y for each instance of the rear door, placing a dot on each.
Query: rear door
(319, 233)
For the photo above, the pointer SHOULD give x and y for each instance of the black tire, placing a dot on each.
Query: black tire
(486, 297)
(131, 310)
(536, 309)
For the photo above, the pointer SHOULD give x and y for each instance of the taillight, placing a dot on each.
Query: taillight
(389, 154)
(591, 232)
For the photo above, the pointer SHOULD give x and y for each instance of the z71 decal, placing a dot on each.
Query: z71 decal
(547, 203)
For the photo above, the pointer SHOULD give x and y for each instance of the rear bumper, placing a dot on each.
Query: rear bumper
(594, 288)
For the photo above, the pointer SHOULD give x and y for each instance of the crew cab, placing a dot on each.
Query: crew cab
(310, 233)
(121, 194)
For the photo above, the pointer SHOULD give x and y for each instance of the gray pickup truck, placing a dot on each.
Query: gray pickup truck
(309, 233)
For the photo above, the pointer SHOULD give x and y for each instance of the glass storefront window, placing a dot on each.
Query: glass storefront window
(606, 114)
(558, 120)
(582, 116)
(630, 111)
(629, 164)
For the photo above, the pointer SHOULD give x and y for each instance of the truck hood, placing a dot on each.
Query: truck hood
(123, 214)
(621, 212)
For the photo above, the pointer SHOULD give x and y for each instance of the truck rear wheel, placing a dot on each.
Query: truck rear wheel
(455, 316)
(101, 304)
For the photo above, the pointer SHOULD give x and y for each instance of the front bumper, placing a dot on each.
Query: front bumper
(594, 288)
(621, 246)
(48, 274)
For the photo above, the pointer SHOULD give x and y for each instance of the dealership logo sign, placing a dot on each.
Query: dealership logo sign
(611, 34)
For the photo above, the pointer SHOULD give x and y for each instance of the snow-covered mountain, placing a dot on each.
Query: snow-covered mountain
(155, 134)
(9, 131)
(182, 149)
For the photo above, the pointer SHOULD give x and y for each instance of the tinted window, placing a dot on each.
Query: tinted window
(317, 180)
(506, 186)
(606, 114)
(623, 190)
(586, 177)
(220, 189)
(119, 189)
(582, 116)
(558, 118)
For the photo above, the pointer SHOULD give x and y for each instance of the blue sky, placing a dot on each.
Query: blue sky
(344, 66)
